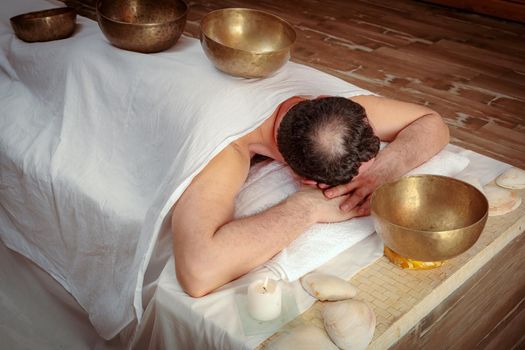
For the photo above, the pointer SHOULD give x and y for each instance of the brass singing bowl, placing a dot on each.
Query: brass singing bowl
(246, 43)
(142, 25)
(46, 25)
(429, 217)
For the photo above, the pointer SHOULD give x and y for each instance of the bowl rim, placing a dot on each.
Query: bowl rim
(101, 14)
(426, 232)
(250, 10)
(54, 12)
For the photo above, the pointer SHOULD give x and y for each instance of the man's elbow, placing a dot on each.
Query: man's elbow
(440, 129)
(445, 132)
(192, 281)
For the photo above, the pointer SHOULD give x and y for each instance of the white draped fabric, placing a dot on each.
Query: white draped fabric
(97, 144)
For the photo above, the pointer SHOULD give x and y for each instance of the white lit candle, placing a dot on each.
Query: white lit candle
(264, 299)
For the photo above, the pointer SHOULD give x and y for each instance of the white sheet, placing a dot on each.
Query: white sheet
(97, 144)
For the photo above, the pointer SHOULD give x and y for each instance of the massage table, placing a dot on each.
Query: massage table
(89, 178)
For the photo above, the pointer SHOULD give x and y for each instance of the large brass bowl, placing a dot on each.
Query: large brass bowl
(245, 42)
(46, 25)
(429, 217)
(142, 25)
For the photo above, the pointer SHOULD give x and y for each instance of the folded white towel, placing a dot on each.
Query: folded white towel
(271, 182)
(444, 163)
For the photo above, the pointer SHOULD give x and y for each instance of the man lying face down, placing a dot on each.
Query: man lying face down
(332, 144)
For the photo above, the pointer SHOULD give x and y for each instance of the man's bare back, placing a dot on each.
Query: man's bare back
(211, 248)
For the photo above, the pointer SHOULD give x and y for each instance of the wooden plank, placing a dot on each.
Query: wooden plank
(481, 35)
(477, 54)
(498, 8)
(445, 100)
(482, 65)
(514, 89)
(438, 68)
(489, 147)
(512, 136)
(467, 317)
(509, 333)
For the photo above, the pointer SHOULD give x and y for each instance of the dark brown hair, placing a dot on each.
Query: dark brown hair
(327, 139)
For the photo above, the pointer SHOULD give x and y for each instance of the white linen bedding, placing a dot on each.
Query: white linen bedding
(97, 144)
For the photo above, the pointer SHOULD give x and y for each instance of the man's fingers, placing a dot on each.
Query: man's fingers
(364, 209)
(340, 190)
(309, 182)
(355, 199)
(323, 186)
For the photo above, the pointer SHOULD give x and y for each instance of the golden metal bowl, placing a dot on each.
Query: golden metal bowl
(246, 43)
(142, 25)
(429, 217)
(46, 25)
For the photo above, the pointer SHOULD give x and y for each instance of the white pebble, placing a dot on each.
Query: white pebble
(327, 287)
(349, 323)
(513, 178)
(501, 200)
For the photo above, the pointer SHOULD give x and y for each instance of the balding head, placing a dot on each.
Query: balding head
(327, 139)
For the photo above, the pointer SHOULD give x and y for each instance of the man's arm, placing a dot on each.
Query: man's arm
(415, 132)
(212, 249)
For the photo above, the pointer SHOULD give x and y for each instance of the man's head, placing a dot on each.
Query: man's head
(326, 139)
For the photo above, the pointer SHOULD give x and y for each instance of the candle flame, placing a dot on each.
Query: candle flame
(265, 286)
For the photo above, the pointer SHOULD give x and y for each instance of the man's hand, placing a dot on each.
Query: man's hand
(357, 193)
(322, 208)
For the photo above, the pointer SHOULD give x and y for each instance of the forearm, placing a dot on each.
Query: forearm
(413, 145)
(241, 245)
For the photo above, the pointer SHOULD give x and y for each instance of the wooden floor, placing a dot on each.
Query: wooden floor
(470, 68)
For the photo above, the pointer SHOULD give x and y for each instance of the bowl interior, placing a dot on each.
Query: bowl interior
(248, 30)
(429, 203)
(44, 14)
(142, 11)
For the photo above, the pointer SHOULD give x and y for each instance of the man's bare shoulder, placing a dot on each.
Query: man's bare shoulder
(233, 160)
(388, 116)
(208, 201)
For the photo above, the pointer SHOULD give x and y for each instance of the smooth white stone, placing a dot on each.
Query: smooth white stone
(501, 200)
(327, 287)
(349, 323)
(303, 338)
(513, 178)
